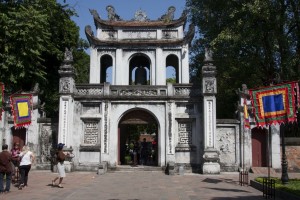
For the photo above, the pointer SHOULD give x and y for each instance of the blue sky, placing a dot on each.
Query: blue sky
(124, 8)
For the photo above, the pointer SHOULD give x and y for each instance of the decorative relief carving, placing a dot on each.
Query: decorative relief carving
(105, 127)
(210, 137)
(170, 128)
(65, 85)
(91, 132)
(89, 91)
(187, 91)
(210, 86)
(45, 144)
(182, 91)
(185, 133)
(226, 143)
(146, 34)
(65, 121)
(138, 92)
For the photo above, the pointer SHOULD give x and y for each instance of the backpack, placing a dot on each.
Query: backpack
(54, 160)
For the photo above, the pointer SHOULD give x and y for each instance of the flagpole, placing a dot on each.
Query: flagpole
(268, 143)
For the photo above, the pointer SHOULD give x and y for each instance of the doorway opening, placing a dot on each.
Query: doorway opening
(19, 136)
(138, 139)
(259, 147)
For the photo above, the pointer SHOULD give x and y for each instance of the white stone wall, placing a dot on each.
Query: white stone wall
(228, 145)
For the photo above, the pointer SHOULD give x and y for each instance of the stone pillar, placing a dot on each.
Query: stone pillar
(209, 88)
(120, 69)
(66, 100)
(95, 71)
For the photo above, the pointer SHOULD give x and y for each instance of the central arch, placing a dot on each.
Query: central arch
(138, 138)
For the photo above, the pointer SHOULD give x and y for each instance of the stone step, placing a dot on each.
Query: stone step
(262, 170)
(128, 168)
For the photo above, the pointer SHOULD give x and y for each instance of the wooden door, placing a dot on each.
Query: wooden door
(19, 136)
(259, 147)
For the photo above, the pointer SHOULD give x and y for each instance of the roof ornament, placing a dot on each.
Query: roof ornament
(68, 55)
(111, 14)
(140, 16)
(94, 13)
(208, 54)
(169, 16)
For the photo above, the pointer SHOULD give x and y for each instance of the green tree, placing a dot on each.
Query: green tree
(252, 42)
(33, 37)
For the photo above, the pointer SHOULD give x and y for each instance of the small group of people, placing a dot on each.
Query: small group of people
(12, 162)
(143, 153)
(16, 164)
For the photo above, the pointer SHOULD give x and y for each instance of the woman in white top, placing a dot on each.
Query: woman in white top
(26, 158)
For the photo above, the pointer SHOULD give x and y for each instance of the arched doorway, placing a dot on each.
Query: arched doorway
(259, 147)
(138, 139)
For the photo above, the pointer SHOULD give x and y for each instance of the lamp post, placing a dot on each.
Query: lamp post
(284, 163)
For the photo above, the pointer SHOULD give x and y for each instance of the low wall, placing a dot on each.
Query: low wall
(292, 151)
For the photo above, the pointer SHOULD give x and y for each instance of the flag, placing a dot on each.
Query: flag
(21, 109)
(246, 115)
(1, 98)
(275, 104)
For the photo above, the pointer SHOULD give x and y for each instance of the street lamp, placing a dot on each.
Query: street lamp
(284, 163)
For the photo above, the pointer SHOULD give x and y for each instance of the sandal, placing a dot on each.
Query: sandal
(60, 186)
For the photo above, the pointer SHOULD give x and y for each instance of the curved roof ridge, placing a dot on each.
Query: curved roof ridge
(163, 22)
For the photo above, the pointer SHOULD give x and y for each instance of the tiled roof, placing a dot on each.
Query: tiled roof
(152, 23)
(139, 42)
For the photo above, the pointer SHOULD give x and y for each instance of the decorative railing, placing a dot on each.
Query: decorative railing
(107, 90)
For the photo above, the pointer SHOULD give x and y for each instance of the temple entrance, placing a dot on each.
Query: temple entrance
(19, 136)
(138, 139)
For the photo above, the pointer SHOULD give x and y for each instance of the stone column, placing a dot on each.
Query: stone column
(95, 71)
(209, 88)
(66, 100)
(66, 104)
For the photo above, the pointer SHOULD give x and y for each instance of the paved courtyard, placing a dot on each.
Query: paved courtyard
(139, 185)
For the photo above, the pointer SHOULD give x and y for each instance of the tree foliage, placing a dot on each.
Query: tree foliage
(253, 41)
(33, 37)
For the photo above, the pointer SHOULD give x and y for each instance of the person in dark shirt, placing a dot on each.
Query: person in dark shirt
(5, 168)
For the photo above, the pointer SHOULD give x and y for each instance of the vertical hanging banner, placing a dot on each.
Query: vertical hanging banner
(1, 98)
(21, 109)
(246, 115)
(275, 104)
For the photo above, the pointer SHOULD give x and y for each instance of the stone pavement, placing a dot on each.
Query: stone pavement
(135, 185)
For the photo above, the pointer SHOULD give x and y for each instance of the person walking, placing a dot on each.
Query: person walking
(27, 157)
(5, 168)
(60, 157)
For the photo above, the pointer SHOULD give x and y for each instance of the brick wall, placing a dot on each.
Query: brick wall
(292, 150)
